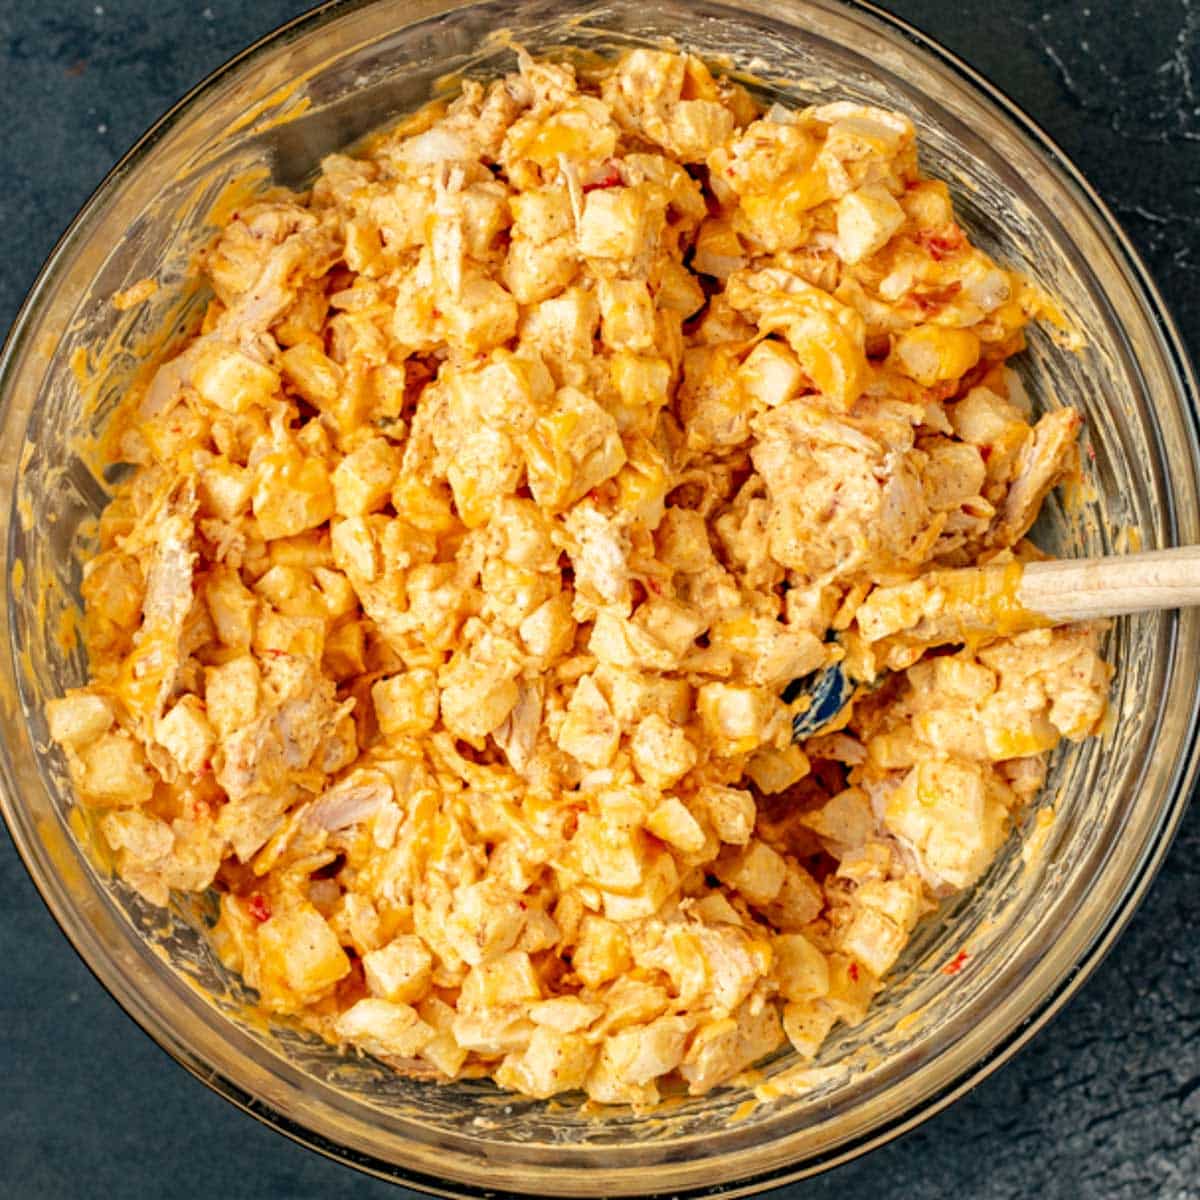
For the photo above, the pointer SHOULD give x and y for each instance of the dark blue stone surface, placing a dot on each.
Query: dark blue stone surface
(1105, 1103)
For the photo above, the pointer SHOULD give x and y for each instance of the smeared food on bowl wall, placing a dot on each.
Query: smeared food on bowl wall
(444, 623)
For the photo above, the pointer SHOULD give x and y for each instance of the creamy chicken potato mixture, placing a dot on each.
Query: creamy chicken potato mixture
(519, 466)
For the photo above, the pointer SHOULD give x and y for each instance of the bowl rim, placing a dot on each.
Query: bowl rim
(1177, 794)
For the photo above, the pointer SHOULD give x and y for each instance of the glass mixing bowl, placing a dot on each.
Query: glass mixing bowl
(1034, 927)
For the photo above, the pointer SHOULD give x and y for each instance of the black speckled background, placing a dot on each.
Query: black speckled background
(1104, 1104)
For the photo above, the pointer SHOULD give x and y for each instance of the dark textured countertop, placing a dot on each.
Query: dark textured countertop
(1105, 1103)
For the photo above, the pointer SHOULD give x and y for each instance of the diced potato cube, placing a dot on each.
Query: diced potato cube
(232, 606)
(756, 871)
(643, 384)
(291, 494)
(78, 717)
(635, 694)
(186, 734)
(400, 971)
(944, 810)
(696, 126)
(482, 317)
(138, 837)
(541, 213)
(662, 752)
(362, 481)
(231, 694)
(603, 1086)
(113, 587)
(424, 504)
(643, 483)
(798, 902)
(566, 1014)
(873, 939)
(724, 1047)
(626, 314)
(619, 224)
(1006, 739)
(851, 988)
(780, 217)
(336, 594)
(111, 771)
(774, 770)
(494, 1032)
(313, 374)
(309, 550)
(590, 732)
(507, 979)
(677, 288)
(510, 391)
(732, 812)
(277, 633)
(623, 645)
(659, 882)
(735, 718)
(383, 1028)
(642, 1053)
(406, 704)
(534, 272)
(485, 923)
(986, 420)
(799, 967)
(442, 1051)
(345, 651)
(301, 955)
(770, 374)
(735, 959)
(355, 546)
(563, 327)
(931, 354)
(225, 489)
(356, 922)
(231, 380)
(719, 251)
(476, 696)
(866, 220)
(611, 856)
(682, 540)
(602, 952)
(671, 623)
(713, 406)
(552, 1062)
(928, 203)
(487, 468)
(861, 131)
(673, 823)
(807, 1025)
(549, 631)
(572, 449)
(827, 336)
(846, 819)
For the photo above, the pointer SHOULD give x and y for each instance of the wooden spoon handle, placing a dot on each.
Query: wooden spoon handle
(1003, 598)
(1081, 589)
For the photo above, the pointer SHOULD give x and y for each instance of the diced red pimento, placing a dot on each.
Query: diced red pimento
(956, 963)
(931, 301)
(942, 241)
(611, 178)
(854, 971)
(260, 907)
